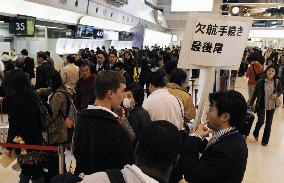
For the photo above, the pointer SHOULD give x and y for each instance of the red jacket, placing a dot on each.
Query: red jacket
(251, 74)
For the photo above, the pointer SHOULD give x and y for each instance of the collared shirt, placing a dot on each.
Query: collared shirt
(268, 90)
(161, 105)
(102, 108)
(218, 134)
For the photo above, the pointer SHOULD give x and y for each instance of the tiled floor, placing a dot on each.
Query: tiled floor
(265, 164)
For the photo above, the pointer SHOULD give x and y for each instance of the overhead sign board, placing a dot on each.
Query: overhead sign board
(214, 40)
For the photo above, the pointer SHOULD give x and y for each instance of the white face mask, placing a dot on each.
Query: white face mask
(126, 103)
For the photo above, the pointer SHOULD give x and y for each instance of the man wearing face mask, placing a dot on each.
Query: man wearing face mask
(136, 115)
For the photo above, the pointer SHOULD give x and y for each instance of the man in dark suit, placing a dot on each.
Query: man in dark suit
(101, 62)
(29, 64)
(224, 157)
(42, 71)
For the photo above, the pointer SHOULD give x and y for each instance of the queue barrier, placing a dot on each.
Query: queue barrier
(59, 149)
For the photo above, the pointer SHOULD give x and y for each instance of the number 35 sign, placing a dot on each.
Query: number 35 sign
(20, 26)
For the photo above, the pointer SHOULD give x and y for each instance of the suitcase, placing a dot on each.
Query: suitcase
(245, 128)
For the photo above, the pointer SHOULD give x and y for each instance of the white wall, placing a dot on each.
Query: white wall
(179, 33)
(152, 38)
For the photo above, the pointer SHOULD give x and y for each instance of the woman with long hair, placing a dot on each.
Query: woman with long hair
(24, 123)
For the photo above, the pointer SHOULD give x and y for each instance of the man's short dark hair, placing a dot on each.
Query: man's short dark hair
(253, 57)
(138, 94)
(178, 76)
(107, 80)
(231, 102)
(25, 52)
(156, 79)
(85, 64)
(101, 52)
(120, 65)
(20, 62)
(170, 66)
(158, 145)
(47, 53)
(71, 59)
(113, 53)
(42, 55)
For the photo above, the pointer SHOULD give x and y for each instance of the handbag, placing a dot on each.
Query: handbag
(31, 158)
(277, 102)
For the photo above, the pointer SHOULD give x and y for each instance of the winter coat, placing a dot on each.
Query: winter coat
(251, 74)
(186, 99)
(58, 105)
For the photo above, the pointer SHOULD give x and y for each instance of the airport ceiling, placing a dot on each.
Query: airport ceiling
(266, 13)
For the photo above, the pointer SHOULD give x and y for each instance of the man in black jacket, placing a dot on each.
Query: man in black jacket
(100, 142)
(224, 157)
(29, 64)
(42, 71)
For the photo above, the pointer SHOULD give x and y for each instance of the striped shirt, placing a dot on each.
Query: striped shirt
(217, 135)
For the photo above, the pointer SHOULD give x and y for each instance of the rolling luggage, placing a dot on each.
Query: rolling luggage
(245, 128)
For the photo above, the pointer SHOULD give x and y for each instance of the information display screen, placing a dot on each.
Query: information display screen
(24, 25)
(125, 36)
(86, 31)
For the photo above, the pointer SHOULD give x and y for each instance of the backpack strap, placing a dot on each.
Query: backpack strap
(68, 103)
(115, 176)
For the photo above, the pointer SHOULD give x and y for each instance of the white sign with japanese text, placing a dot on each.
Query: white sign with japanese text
(214, 40)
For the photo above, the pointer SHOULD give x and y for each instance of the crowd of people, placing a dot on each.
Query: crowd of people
(124, 114)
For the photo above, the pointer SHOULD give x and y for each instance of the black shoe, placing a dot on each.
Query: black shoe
(264, 144)
(255, 137)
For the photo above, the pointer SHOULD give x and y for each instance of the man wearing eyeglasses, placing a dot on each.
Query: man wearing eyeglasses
(101, 65)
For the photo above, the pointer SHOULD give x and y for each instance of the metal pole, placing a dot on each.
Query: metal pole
(195, 97)
(2, 121)
(61, 159)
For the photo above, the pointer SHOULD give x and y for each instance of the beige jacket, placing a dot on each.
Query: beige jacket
(178, 91)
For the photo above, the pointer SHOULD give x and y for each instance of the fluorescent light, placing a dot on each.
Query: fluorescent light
(42, 12)
(266, 33)
(192, 5)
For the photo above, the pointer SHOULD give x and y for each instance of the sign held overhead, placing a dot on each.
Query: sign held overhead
(214, 40)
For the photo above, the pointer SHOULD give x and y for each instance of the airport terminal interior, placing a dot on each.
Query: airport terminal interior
(141, 91)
